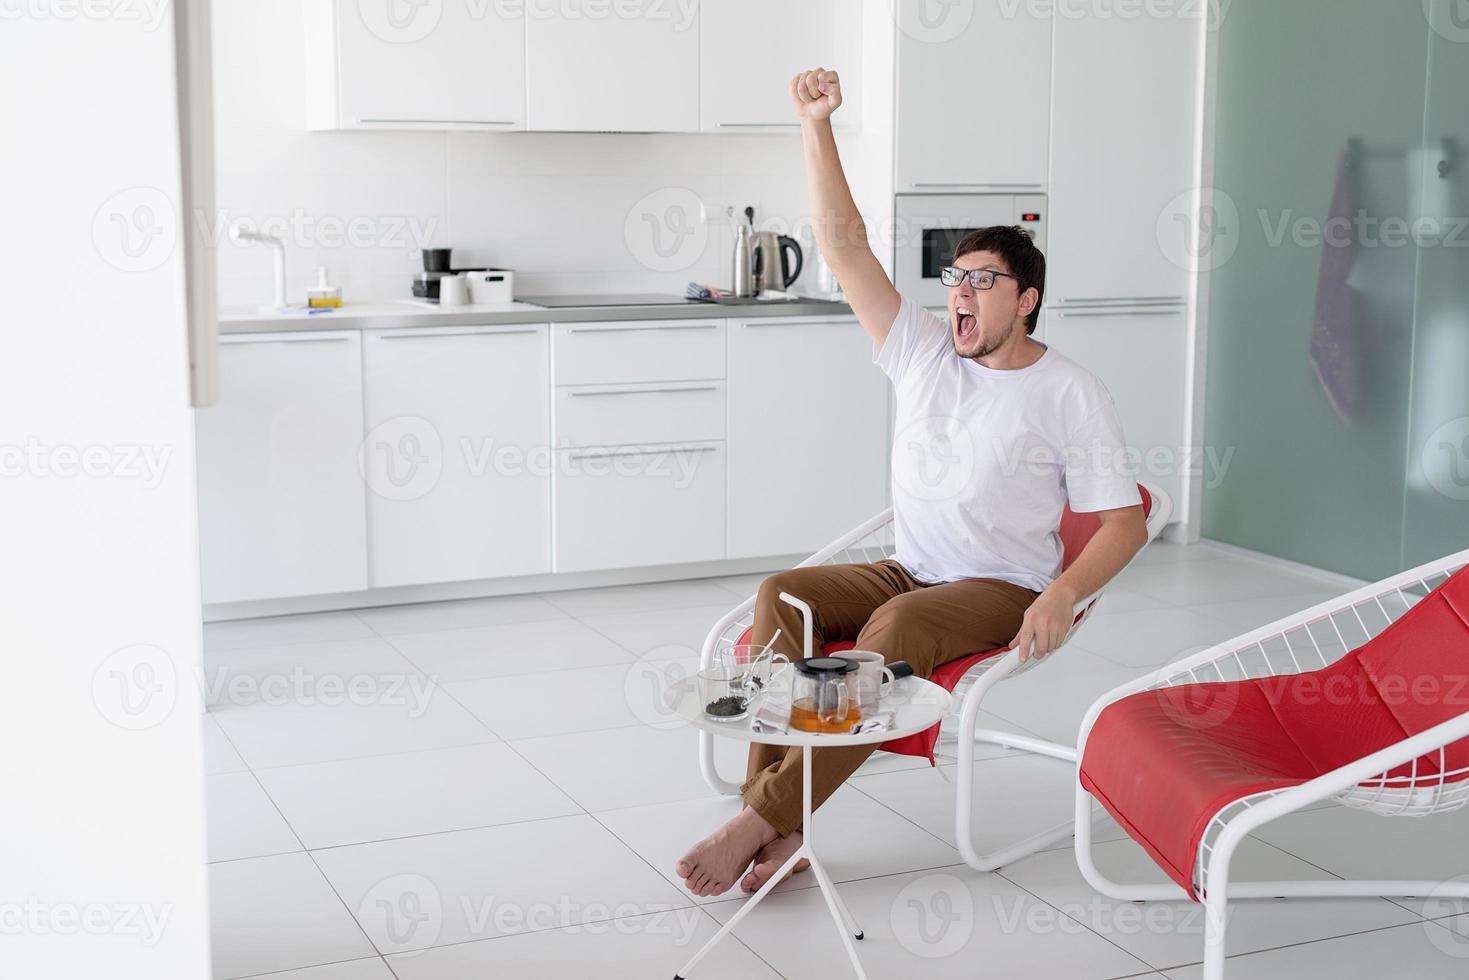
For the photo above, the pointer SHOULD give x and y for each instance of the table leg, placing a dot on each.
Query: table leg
(846, 925)
(744, 910)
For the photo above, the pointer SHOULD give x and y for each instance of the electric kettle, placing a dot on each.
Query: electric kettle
(772, 269)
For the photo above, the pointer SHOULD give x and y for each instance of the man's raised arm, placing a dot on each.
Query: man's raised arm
(840, 232)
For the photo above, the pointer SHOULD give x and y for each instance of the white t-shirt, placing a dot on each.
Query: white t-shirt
(984, 461)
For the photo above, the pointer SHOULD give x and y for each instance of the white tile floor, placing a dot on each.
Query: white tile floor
(486, 788)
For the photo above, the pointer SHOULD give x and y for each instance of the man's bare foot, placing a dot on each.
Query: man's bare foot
(712, 866)
(770, 859)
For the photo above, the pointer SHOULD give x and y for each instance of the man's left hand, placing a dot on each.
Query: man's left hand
(1045, 625)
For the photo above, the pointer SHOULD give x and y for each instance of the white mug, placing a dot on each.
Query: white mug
(453, 291)
(874, 677)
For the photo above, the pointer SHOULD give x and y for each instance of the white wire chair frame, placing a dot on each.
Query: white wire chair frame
(1306, 641)
(872, 541)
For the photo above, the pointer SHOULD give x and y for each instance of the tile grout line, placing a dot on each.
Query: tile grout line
(532, 932)
(560, 616)
(329, 883)
(293, 969)
(506, 742)
(546, 596)
(428, 833)
(1390, 899)
(1000, 873)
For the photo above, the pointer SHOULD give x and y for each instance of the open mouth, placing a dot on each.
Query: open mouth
(966, 325)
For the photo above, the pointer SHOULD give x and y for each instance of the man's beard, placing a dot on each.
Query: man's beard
(984, 350)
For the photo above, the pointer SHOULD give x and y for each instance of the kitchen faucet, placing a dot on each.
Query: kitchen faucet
(246, 236)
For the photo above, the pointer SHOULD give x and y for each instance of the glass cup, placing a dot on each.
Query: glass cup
(760, 668)
(725, 692)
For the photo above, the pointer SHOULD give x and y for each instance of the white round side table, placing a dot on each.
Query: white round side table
(917, 704)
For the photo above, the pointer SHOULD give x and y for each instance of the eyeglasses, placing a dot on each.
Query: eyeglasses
(978, 278)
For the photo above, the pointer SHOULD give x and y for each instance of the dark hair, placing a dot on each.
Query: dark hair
(1018, 252)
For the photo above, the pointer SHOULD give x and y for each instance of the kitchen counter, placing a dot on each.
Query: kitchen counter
(414, 313)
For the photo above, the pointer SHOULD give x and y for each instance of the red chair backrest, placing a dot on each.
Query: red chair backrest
(1077, 529)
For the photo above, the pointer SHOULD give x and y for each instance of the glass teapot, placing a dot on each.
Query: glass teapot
(824, 695)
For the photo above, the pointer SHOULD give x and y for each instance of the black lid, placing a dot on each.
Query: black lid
(825, 666)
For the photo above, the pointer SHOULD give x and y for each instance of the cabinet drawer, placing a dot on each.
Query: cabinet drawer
(624, 414)
(638, 506)
(625, 352)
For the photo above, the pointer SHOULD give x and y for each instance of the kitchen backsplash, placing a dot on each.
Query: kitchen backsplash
(569, 212)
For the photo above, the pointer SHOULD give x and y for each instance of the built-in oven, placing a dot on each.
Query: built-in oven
(928, 226)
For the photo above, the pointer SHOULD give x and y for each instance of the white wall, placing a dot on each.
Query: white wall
(552, 206)
(102, 847)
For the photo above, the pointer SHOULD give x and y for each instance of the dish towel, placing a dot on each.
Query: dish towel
(771, 718)
(1336, 341)
(878, 721)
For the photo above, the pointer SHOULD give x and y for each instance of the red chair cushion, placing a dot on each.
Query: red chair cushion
(1164, 762)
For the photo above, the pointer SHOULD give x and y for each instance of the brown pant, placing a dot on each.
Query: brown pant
(888, 611)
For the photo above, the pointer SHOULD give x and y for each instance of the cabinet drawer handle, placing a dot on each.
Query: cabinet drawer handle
(641, 391)
(449, 332)
(776, 322)
(1094, 313)
(451, 122)
(246, 339)
(607, 453)
(1034, 187)
(782, 125)
(676, 326)
(1119, 300)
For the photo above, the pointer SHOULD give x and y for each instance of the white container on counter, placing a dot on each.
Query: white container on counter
(488, 286)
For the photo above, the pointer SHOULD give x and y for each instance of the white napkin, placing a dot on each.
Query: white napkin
(771, 718)
(878, 721)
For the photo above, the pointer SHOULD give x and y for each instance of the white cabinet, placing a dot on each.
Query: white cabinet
(457, 454)
(639, 505)
(630, 351)
(973, 98)
(281, 501)
(1123, 130)
(1141, 356)
(630, 66)
(808, 433)
(749, 50)
(387, 65)
(638, 422)
(618, 415)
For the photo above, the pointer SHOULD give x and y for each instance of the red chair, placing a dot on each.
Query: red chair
(872, 541)
(1361, 700)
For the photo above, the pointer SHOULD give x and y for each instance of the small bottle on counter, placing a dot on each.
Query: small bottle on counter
(323, 295)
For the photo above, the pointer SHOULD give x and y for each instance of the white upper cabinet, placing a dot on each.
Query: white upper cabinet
(974, 95)
(749, 50)
(382, 64)
(629, 66)
(1124, 132)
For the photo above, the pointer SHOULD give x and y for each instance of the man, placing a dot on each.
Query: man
(1016, 429)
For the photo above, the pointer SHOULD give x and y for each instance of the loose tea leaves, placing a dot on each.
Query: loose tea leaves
(726, 707)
